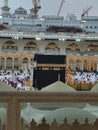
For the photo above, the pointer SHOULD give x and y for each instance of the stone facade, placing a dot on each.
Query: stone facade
(18, 53)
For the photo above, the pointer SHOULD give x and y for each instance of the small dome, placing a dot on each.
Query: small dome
(20, 10)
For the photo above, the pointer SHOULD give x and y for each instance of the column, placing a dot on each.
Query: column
(0, 63)
(62, 50)
(13, 114)
(42, 50)
(82, 66)
(89, 66)
(5, 64)
(97, 67)
(13, 64)
(18, 62)
(28, 64)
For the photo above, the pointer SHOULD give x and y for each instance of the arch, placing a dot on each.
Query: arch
(85, 62)
(16, 63)
(94, 65)
(52, 48)
(9, 63)
(31, 46)
(78, 65)
(25, 60)
(72, 64)
(73, 47)
(31, 61)
(92, 48)
(25, 63)
(9, 45)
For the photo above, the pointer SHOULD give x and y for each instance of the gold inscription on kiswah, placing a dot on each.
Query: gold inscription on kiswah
(56, 68)
(45, 68)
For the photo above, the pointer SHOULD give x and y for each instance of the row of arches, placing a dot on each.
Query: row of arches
(16, 61)
(82, 63)
(51, 47)
(26, 61)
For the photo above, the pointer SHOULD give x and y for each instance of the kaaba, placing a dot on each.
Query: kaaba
(49, 69)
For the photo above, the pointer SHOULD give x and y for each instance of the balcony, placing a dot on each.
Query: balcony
(46, 36)
(6, 50)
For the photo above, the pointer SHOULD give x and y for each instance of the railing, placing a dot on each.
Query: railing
(10, 50)
(14, 100)
(44, 35)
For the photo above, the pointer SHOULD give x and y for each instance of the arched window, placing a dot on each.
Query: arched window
(25, 60)
(73, 47)
(52, 48)
(9, 63)
(9, 45)
(31, 46)
(92, 48)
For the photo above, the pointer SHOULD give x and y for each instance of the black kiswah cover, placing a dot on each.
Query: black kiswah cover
(41, 77)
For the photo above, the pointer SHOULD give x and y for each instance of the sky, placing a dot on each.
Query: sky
(51, 7)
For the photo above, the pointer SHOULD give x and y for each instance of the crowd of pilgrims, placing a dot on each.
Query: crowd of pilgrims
(20, 81)
(79, 80)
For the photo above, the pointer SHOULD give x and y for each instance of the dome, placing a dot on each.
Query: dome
(20, 10)
(58, 86)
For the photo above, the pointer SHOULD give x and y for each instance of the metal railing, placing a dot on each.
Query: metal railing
(44, 35)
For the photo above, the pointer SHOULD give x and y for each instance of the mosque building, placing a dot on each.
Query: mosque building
(22, 36)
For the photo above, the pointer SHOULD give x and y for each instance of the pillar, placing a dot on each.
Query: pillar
(0, 62)
(82, 66)
(13, 114)
(89, 66)
(5, 64)
(13, 64)
(97, 67)
(74, 66)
